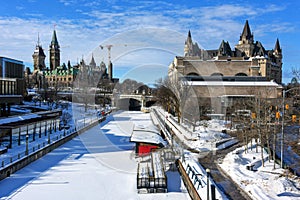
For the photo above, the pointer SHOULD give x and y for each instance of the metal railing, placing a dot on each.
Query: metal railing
(8, 160)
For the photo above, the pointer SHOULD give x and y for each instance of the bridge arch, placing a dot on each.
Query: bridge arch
(134, 102)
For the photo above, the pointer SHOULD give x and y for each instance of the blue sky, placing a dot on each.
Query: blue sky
(144, 34)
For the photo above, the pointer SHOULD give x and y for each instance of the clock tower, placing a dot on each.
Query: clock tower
(54, 52)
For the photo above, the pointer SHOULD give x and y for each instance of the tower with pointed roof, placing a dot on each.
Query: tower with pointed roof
(224, 49)
(93, 63)
(39, 57)
(190, 48)
(54, 52)
(277, 49)
(246, 37)
(246, 45)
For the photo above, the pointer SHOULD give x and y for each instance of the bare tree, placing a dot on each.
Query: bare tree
(296, 73)
(261, 107)
(180, 92)
(166, 98)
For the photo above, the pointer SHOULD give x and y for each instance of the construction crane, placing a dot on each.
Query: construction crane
(109, 46)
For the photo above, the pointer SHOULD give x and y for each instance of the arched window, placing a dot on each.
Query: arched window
(193, 74)
(216, 74)
(241, 74)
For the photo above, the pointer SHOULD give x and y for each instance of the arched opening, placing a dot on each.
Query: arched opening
(193, 74)
(241, 74)
(129, 104)
(216, 74)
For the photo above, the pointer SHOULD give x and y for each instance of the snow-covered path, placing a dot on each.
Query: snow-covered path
(98, 164)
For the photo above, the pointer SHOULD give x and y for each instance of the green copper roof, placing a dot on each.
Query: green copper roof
(60, 72)
(54, 38)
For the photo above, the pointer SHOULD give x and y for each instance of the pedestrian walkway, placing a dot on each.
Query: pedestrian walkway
(33, 142)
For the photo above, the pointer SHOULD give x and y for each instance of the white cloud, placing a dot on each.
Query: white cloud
(82, 36)
(68, 2)
(19, 37)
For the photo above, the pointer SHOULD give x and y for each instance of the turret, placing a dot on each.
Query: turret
(190, 48)
(245, 47)
(246, 36)
(224, 49)
(39, 57)
(277, 49)
(54, 52)
(93, 63)
(188, 45)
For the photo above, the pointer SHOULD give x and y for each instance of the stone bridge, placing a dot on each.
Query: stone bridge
(136, 101)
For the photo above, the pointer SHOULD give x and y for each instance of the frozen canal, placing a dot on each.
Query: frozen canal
(99, 164)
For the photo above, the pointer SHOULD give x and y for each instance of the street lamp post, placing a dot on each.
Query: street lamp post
(49, 135)
(207, 175)
(27, 137)
(282, 130)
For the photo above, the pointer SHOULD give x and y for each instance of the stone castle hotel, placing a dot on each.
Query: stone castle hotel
(62, 76)
(225, 74)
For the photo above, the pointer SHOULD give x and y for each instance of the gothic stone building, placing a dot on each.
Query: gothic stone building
(225, 73)
(64, 76)
(57, 76)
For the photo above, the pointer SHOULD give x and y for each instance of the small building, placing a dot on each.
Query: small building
(146, 139)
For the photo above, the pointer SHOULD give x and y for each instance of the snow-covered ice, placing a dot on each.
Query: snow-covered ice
(99, 164)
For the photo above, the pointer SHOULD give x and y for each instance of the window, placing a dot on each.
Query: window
(216, 74)
(241, 74)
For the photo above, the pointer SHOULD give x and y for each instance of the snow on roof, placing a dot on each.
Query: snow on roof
(144, 169)
(147, 134)
(157, 165)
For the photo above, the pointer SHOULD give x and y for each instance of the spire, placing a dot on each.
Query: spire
(246, 36)
(54, 52)
(246, 31)
(54, 38)
(188, 45)
(189, 34)
(39, 57)
(93, 63)
(189, 38)
(277, 48)
(38, 49)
